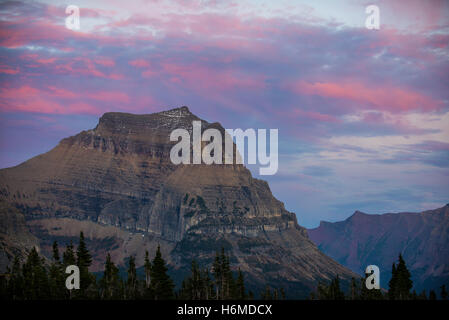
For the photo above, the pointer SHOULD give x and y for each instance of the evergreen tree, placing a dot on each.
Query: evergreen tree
(196, 282)
(16, 285)
(322, 291)
(422, 295)
(240, 286)
(225, 285)
(282, 292)
(56, 275)
(404, 284)
(148, 292)
(335, 292)
(392, 284)
(266, 294)
(400, 283)
(275, 294)
(161, 283)
(443, 292)
(83, 257)
(132, 281)
(330, 292)
(110, 284)
(217, 272)
(229, 283)
(432, 295)
(56, 257)
(35, 277)
(83, 261)
(198, 285)
(147, 267)
(184, 292)
(68, 256)
(354, 289)
(4, 285)
(208, 284)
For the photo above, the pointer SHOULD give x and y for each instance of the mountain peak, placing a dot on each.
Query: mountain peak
(124, 116)
(184, 110)
(128, 123)
(358, 214)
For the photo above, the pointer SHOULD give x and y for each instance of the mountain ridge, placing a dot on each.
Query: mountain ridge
(363, 239)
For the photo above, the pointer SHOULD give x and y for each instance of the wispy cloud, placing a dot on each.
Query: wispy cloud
(347, 100)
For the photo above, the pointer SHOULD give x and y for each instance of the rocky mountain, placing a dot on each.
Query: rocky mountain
(365, 239)
(116, 183)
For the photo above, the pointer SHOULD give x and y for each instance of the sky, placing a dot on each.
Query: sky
(363, 114)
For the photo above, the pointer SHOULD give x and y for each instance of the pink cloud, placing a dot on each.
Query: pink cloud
(229, 32)
(383, 97)
(312, 115)
(424, 15)
(109, 96)
(38, 104)
(82, 108)
(8, 70)
(17, 33)
(202, 77)
(141, 63)
(87, 67)
(46, 61)
(106, 62)
(22, 31)
(62, 93)
(54, 100)
(24, 91)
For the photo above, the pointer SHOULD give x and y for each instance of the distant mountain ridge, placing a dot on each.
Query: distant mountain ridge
(364, 239)
(116, 183)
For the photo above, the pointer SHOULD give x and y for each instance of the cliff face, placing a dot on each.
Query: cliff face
(365, 239)
(120, 175)
(15, 236)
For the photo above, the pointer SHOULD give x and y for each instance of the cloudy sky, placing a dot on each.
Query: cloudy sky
(363, 115)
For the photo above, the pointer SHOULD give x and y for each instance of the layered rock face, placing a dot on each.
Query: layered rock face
(15, 236)
(365, 239)
(120, 175)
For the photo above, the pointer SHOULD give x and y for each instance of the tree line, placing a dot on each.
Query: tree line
(399, 288)
(37, 278)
